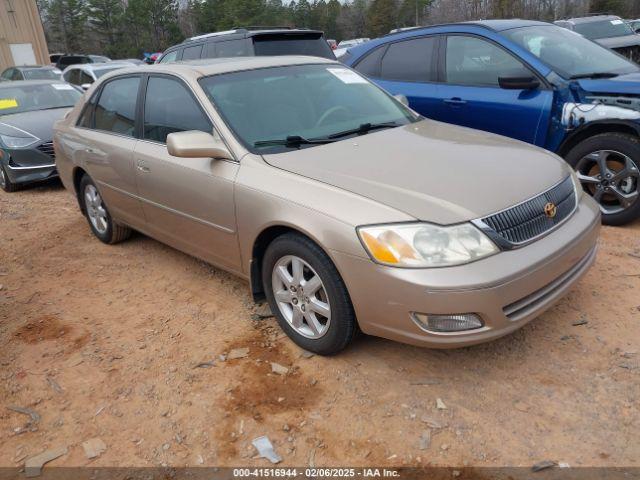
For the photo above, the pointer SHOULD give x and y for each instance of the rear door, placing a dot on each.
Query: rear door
(406, 67)
(188, 202)
(470, 95)
(108, 141)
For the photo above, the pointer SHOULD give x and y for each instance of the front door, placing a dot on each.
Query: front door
(469, 94)
(188, 202)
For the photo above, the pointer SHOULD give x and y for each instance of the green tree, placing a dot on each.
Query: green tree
(105, 20)
(68, 24)
(381, 17)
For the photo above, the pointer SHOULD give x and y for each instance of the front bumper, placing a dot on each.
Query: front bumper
(27, 165)
(506, 290)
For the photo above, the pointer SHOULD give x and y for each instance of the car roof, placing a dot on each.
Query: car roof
(201, 68)
(19, 83)
(238, 33)
(493, 25)
(34, 67)
(98, 66)
(590, 19)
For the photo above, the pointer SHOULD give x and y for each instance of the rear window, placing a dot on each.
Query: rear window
(292, 44)
(73, 60)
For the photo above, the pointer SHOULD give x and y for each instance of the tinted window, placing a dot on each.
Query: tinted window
(17, 75)
(169, 107)
(7, 73)
(370, 65)
(279, 44)
(72, 60)
(169, 57)
(410, 60)
(85, 78)
(472, 61)
(231, 48)
(86, 118)
(72, 76)
(116, 109)
(191, 53)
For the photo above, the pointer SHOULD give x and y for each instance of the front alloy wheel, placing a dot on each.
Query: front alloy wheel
(608, 166)
(307, 295)
(611, 178)
(301, 297)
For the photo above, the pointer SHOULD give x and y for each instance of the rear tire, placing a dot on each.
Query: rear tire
(98, 216)
(320, 319)
(618, 154)
(6, 184)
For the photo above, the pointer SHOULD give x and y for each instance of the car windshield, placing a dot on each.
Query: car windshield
(568, 53)
(27, 98)
(604, 29)
(41, 74)
(318, 103)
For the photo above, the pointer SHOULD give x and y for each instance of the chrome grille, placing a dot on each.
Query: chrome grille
(47, 148)
(526, 221)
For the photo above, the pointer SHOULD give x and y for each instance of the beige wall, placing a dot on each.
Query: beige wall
(20, 23)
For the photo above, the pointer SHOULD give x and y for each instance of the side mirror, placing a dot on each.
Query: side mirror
(85, 86)
(519, 82)
(402, 99)
(197, 144)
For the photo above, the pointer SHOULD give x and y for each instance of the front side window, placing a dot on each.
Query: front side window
(169, 107)
(169, 57)
(28, 98)
(476, 62)
(192, 53)
(17, 75)
(568, 53)
(370, 64)
(116, 108)
(410, 60)
(271, 109)
(604, 29)
(85, 78)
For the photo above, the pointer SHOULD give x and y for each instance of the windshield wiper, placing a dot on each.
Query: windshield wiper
(594, 75)
(364, 129)
(292, 141)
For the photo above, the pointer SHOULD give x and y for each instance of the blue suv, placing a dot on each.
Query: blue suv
(532, 81)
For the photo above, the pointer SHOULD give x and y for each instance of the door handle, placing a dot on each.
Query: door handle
(142, 167)
(455, 101)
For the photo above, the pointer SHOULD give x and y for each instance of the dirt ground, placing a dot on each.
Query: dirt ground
(104, 341)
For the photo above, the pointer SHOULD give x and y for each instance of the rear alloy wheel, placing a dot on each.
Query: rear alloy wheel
(608, 169)
(307, 295)
(98, 215)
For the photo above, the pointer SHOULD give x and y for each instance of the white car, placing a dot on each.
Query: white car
(84, 74)
(344, 45)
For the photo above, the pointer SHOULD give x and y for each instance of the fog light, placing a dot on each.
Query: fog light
(447, 323)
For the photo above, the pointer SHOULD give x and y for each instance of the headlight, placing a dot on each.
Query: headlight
(18, 142)
(422, 245)
(577, 186)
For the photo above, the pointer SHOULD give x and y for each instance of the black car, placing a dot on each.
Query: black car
(30, 72)
(28, 110)
(609, 31)
(65, 60)
(251, 41)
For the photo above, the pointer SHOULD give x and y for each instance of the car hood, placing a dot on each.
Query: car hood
(431, 171)
(38, 122)
(623, 84)
(619, 42)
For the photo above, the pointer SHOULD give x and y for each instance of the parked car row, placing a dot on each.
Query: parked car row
(453, 235)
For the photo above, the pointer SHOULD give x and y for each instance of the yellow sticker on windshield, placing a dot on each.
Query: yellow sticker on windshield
(8, 103)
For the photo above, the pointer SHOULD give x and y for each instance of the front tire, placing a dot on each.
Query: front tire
(6, 184)
(608, 167)
(307, 295)
(98, 216)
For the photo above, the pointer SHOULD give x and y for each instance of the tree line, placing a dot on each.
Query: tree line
(128, 28)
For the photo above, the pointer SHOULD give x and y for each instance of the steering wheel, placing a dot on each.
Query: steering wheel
(330, 112)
